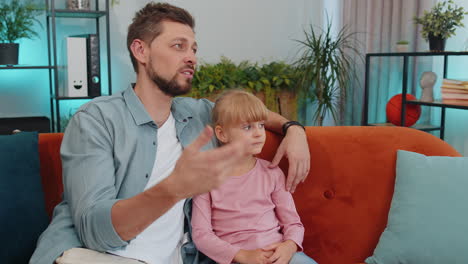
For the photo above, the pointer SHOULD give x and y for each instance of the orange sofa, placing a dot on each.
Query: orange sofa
(345, 200)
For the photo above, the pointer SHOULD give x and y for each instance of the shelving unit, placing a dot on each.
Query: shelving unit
(18, 67)
(51, 16)
(406, 55)
(24, 123)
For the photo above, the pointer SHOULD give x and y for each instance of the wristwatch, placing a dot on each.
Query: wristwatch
(291, 123)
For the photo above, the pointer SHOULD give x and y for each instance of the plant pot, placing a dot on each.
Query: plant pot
(402, 47)
(436, 43)
(9, 53)
(78, 4)
(214, 95)
(288, 104)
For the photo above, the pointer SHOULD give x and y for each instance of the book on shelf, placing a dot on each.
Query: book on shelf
(454, 86)
(452, 90)
(456, 91)
(454, 81)
(454, 96)
(455, 101)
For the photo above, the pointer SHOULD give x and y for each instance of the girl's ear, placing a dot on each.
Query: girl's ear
(220, 135)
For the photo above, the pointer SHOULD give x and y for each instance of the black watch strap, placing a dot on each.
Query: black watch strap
(291, 123)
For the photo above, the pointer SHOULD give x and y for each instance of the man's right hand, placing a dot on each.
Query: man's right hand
(198, 171)
(195, 172)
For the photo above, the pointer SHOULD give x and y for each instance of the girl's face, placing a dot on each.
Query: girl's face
(253, 132)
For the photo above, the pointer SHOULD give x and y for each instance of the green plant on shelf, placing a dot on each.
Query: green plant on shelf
(442, 20)
(274, 82)
(17, 18)
(225, 74)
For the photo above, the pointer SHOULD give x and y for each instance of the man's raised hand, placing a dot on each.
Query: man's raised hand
(199, 171)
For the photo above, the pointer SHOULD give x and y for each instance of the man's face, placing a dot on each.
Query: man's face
(172, 58)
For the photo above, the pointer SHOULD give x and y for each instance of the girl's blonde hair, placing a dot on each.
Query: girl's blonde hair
(234, 106)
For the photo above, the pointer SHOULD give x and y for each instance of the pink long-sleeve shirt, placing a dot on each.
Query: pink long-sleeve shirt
(250, 211)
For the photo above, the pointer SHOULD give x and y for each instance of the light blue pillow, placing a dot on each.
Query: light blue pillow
(428, 218)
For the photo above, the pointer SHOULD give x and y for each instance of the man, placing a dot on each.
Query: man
(131, 160)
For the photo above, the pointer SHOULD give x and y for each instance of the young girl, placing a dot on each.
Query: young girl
(251, 218)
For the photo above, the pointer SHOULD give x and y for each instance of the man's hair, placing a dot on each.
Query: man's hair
(234, 106)
(147, 23)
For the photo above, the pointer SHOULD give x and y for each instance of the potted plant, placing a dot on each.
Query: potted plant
(440, 23)
(325, 67)
(273, 83)
(17, 18)
(402, 46)
(278, 83)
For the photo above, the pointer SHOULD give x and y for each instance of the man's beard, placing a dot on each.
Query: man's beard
(171, 87)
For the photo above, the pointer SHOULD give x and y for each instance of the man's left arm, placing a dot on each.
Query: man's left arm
(294, 147)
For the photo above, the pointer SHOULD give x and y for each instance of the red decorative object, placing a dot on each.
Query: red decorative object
(413, 112)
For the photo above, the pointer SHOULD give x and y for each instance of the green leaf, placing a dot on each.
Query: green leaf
(266, 82)
(258, 86)
(17, 18)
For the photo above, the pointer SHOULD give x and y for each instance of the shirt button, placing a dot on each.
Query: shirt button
(146, 175)
(154, 143)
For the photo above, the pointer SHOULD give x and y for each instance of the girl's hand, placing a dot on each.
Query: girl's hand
(283, 252)
(257, 256)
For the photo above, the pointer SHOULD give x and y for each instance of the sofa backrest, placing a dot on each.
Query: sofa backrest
(345, 200)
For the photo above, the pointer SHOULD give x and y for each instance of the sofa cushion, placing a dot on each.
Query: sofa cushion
(23, 216)
(428, 218)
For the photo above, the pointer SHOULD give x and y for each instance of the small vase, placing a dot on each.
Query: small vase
(401, 47)
(78, 4)
(436, 43)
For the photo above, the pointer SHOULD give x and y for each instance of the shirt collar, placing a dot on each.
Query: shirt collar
(179, 109)
(136, 107)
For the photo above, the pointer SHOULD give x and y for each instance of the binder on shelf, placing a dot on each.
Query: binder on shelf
(82, 71)
(93, 64)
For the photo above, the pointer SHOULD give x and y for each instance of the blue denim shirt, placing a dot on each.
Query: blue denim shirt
(108, 152)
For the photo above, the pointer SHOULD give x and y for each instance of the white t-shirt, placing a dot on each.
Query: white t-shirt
(160, 242)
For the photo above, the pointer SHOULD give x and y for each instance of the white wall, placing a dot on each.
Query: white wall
(258, 31)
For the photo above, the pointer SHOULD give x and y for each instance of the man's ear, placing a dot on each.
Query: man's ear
(139, 50)
(220, 135)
